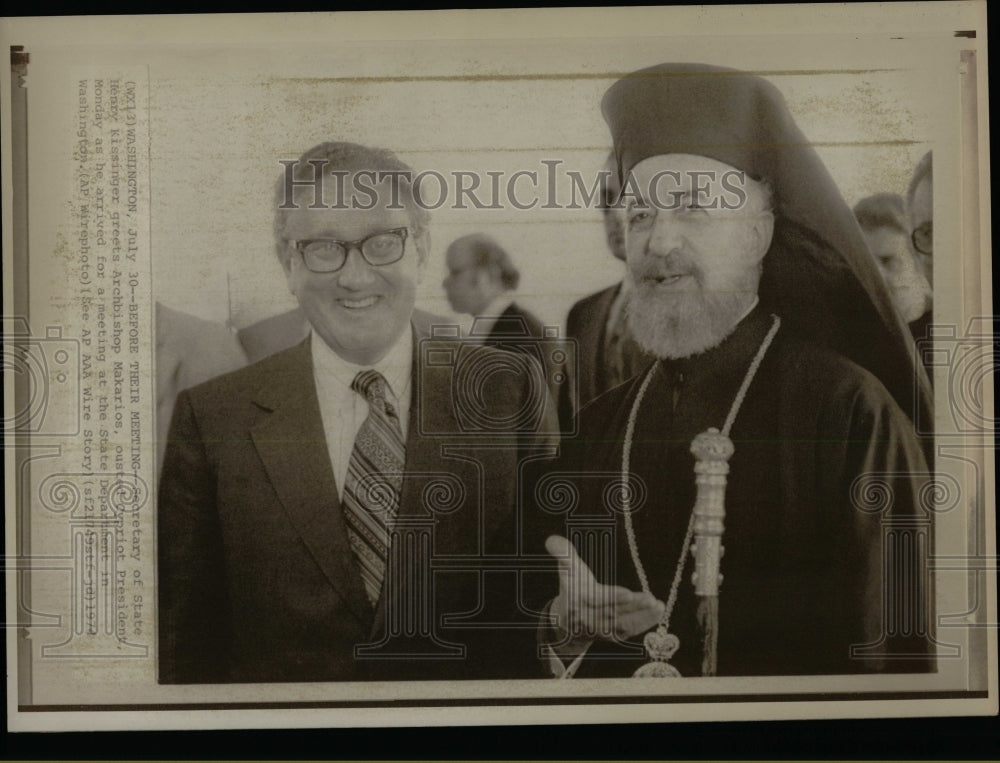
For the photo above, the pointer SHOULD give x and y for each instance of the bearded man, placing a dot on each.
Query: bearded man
(777, 409)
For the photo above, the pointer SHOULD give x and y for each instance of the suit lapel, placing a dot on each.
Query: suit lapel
(292, 446)
(511, 316)
(508, 325)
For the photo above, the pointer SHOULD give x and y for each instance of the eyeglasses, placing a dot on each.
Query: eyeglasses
(328, 255)
(923, 238)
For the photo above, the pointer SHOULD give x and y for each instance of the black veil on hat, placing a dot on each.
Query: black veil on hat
(818, 275)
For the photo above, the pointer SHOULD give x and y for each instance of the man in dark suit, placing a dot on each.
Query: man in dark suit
(607, 355)
(481, 278)
(324, 514)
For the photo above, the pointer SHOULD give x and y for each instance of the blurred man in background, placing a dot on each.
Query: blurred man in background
(883, 221)
(481, 281)
(920, 219)
(189, 350)
(607, 354)
(920, 213)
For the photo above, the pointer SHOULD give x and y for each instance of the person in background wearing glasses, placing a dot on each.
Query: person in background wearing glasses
(286, 484)
(882, 220)
(920, 212)
(920, 219)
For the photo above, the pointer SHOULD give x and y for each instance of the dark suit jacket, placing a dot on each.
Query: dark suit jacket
(256, 578)
(519, 330)
(586, 323)
(512, 323)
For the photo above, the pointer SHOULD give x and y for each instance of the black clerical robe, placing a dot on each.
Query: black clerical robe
(803, 563)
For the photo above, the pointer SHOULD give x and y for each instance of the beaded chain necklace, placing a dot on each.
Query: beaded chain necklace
(712, 448)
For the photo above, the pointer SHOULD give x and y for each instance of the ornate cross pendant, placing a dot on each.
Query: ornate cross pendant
(660, 646)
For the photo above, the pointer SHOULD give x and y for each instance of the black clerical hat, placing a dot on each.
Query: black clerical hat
(818, 275)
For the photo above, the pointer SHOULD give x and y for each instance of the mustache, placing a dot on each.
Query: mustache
(672, 263)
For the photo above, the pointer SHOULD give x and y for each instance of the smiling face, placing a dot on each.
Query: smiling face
(694, 263)
(361, 310)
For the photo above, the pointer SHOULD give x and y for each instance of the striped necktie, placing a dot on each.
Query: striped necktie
(374, 479)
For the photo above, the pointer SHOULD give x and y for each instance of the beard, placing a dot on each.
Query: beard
(686, 322)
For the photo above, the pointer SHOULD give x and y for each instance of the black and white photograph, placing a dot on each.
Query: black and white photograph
(577, 365)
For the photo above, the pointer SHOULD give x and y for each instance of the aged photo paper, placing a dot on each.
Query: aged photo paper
(141, 157)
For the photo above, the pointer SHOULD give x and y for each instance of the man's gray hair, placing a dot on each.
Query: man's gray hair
(344, 157)
(881, 210)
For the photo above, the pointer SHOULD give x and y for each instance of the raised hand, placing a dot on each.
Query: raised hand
(586, 610)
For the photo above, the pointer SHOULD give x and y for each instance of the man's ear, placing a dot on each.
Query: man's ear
(762, 232)
(288, 265)
(423, 247)
(423, 244)
(487, 278)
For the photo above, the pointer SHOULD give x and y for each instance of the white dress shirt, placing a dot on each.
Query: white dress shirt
(343, 410)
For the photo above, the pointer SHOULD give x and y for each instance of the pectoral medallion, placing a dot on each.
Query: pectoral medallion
(660, 646)
(712, 450)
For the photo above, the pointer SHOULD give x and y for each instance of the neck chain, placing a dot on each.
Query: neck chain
(661, 644)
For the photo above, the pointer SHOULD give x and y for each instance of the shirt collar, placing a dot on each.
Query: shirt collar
(395, 366)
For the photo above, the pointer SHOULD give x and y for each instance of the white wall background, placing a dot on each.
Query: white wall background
(223, 119)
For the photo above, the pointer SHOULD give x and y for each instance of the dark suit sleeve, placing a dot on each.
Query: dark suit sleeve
(191, 582)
